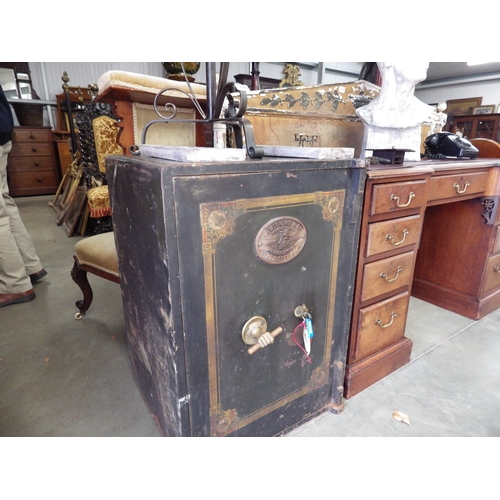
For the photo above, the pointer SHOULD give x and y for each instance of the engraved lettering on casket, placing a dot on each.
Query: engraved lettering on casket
(280, 240)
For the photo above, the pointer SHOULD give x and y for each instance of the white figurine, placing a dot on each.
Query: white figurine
(394, 118)
(438, 119)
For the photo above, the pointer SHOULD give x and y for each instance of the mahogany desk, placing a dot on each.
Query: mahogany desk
(430, 229)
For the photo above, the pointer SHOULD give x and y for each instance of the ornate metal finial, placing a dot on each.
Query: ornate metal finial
(65, 79)
(291, 79)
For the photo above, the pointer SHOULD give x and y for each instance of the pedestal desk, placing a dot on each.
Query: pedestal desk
(429, 229)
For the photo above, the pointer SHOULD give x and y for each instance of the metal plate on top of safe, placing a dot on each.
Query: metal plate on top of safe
(280, 240)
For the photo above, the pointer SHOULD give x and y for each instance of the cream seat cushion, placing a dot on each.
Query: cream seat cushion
(147, 83)
(99, 251)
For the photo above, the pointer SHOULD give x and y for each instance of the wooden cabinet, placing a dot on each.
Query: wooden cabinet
(478, 126)
(64, 156)
(394, 208)
(32, 168)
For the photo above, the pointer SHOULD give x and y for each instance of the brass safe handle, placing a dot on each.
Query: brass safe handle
(273, 334)
(384, 276)
(379, 321)
(457, 187)
(496, 269)
(390, 238)
(402, 205)
(255, 333)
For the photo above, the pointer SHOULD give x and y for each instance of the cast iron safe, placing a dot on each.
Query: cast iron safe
(213, 256)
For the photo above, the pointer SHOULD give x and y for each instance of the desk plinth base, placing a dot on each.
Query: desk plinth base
(470, 306)
(369, 370)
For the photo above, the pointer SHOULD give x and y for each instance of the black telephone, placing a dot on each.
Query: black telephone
(446, 144)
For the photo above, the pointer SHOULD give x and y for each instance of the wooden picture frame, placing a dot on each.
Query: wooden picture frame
(75, 209)
(455, 107)
(484, 110)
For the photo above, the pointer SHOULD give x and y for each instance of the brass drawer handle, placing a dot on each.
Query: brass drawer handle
(457, 187)
(390, 238)
(379, 321)
(383, 275)
(496, 269)
(402, 205)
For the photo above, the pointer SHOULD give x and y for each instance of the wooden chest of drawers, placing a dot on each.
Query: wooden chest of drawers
(395, 202)
(32, 168)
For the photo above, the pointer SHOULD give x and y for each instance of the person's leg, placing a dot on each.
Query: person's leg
(14, 278)
(23, 240)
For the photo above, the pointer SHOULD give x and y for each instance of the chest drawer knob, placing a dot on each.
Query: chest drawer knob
(390, 238)
(379, 321)
(497, 269)
(387, 280)
(461, 191)
(402, 205)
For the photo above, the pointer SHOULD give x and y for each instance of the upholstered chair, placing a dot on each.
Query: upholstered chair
(95, 255)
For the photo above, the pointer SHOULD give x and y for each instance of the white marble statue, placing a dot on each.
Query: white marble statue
(394, 118)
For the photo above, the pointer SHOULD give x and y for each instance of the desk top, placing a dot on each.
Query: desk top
(435, 168)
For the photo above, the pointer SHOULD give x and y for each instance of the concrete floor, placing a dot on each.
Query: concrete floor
(63, 377)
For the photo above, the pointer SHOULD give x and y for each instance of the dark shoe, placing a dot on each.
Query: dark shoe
(16, 298)
(38, 276)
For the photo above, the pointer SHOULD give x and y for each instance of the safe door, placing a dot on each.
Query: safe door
(260, 278)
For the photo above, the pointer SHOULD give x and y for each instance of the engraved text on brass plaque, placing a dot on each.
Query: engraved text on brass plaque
(280, 240)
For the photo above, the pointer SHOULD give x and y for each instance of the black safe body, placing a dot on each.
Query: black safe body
(203, 248)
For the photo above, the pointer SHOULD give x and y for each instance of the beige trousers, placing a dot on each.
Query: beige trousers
(18, 258)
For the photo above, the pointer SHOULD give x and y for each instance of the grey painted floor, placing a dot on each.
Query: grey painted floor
(62, 377)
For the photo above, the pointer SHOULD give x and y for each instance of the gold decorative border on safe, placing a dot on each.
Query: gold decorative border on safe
(218, 220)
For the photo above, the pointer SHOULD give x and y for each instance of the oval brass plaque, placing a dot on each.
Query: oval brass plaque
(280, 240)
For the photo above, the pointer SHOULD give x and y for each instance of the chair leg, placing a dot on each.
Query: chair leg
(80, 278)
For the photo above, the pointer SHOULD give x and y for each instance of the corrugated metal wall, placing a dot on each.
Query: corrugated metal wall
(488, 90)
(47, 75)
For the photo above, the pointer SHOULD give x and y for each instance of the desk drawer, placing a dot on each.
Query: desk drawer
(495, 247)
(386, 275)
(381, 324)
(393, 234)
(454, 186)
(492, 275)
(388, 198)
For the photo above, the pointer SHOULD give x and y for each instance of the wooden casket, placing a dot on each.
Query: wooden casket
(317, 115)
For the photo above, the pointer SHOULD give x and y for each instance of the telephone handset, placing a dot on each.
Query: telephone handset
(446, 144)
